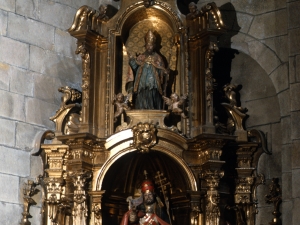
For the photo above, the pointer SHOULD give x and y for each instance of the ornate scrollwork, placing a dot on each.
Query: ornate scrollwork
(70, 100)
(85, 56)
(258, 136)
(144, 136)
(87, 18)
(54, 187)
(209, 80)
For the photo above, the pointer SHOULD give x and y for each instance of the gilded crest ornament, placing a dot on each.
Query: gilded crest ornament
(144, 136)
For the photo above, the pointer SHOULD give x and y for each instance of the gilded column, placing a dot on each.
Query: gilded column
(96, 214)
(54, 183)
(80, 206)
(246, 183)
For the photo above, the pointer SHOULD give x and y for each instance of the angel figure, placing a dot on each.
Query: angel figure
(174, 103)
(121, 104)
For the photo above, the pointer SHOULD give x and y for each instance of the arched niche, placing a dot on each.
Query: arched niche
(256, 90)
(126, 174)
(126, 35)
(123, 173)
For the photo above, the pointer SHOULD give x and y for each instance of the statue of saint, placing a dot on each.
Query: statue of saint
(194, 12)
(147, 209)
(149, 70)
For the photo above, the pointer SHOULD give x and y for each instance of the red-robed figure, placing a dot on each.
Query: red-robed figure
(147, 209)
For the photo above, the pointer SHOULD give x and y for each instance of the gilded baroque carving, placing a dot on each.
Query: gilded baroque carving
(212, 178)
(29, 191)
(208, 71)
(144, 136)
(87, 18)
(121, 104)
(85, 56)
(176, 103)
(80, 210)
(67, 122)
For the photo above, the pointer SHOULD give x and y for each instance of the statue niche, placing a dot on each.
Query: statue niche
(149, 52)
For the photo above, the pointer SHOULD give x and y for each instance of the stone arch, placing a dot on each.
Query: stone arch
(258, 92)
(259, 51)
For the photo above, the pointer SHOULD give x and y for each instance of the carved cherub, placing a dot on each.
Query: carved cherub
(175, 102)
(121, 104)
(102, 13)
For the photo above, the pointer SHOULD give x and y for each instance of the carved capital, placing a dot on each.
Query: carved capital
(212, 178)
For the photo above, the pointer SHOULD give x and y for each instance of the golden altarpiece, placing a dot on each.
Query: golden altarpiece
(205, 171)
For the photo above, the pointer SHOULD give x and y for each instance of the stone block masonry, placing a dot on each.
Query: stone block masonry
(37, 56)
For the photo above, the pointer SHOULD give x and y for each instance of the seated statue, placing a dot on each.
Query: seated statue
(147, 209)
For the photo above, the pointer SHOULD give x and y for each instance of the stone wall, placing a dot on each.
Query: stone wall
(37, 56)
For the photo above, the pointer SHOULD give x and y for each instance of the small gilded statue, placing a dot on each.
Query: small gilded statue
(194, 12)
(230, 93)
(175, 103)
(121, 104)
